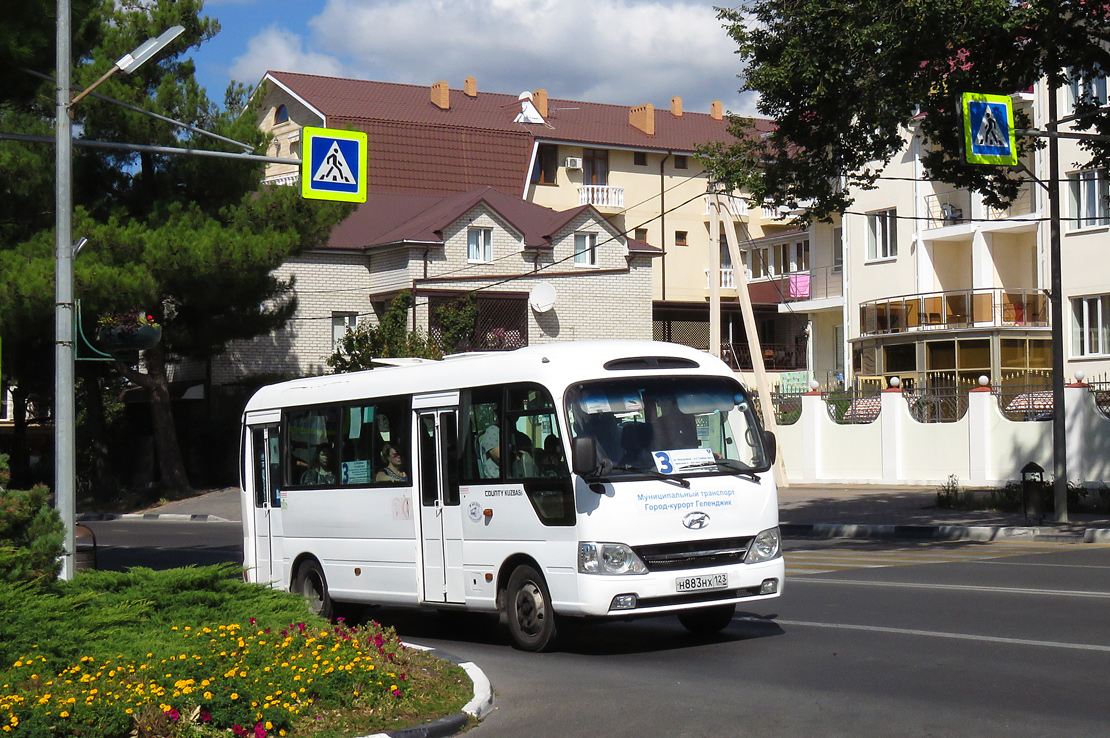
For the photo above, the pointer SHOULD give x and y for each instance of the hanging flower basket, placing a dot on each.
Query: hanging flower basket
(132, 331)
(128, 338)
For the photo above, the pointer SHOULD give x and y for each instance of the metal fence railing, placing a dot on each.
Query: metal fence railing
(853, 406)
(936, 404)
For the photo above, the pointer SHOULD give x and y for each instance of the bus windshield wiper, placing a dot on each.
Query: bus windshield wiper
(731, 466)
(654, 473)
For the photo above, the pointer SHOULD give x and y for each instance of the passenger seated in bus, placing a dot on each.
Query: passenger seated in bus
(673, 428)
(524, 465)
(551, 460)
(320, 472)
(392, 471)
(489, 451)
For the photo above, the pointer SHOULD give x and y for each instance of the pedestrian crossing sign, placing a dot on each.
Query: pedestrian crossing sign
(989, 129)
(333, 165)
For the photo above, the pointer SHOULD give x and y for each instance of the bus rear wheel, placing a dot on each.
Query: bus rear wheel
(528, 607)
(707, 621)
(313, 586)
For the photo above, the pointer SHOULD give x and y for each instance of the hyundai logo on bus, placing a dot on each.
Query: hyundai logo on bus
(696, 520)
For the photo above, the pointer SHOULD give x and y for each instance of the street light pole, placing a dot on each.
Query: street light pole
(65, 421)
(65, 493)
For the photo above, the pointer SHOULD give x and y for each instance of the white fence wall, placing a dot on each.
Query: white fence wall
(983, 448)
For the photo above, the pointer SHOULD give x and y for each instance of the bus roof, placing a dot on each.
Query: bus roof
(554, 365)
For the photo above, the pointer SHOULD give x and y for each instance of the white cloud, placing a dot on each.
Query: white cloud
(277, 48)
(615, 51)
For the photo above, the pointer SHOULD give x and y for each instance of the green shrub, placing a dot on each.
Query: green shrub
(31, 536)
(949, 494)
(5, 471)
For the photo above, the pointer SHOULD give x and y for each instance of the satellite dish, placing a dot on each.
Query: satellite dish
(542, 297)
(528, 112)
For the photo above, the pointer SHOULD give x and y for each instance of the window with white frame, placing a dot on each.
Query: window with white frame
(479, 245)
(341, 322)
(1088, 194)
(1090, 325)
(838, 250)
(585, 249)
(882, 234)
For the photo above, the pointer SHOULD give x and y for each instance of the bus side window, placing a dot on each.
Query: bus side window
(312, 453)
(481, 444)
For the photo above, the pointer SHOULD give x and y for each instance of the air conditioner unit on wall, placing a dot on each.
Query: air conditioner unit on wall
(573, 162)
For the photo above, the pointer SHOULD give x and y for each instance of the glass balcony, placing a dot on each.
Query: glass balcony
(994, 307)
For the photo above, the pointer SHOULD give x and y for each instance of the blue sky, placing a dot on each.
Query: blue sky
(624, 52)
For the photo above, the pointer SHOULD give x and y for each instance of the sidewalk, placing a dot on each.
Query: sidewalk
(821, 510)
(866, 511)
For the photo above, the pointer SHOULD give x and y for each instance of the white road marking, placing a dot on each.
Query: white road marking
(935, 634)
(956, 587)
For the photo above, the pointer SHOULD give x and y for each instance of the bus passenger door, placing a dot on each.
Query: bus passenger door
(440, 514)
(269, 551)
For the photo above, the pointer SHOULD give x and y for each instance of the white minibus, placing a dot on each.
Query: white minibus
(597, 479)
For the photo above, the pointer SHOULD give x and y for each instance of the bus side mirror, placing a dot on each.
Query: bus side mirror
(770, 447)
(585, 461)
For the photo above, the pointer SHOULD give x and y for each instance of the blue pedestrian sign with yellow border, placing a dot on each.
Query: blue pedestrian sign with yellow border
(333, 165)
(989, 129)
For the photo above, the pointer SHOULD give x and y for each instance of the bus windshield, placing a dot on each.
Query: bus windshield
(671, 425)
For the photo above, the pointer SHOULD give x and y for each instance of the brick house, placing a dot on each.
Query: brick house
(441, 247)
(637, 166)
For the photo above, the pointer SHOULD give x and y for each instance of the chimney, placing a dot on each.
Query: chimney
(470, 87)
(676, 106)
(715, 110)
(643, 118)
(539, 99)
(441, 95)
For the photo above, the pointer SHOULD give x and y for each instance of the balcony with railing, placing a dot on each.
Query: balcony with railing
(977, 308)
(601, 196)
(778, 357)
(815, 284)
(737, 207)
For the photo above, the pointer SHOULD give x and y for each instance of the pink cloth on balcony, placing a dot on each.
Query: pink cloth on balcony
(799, 285)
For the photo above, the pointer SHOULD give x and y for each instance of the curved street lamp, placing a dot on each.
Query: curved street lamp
(65, 487)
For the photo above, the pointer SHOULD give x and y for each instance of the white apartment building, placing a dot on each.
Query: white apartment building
(942, 289)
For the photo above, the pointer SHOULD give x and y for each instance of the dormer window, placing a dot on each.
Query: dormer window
(281, 115)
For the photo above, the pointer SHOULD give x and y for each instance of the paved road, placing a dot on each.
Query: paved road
(995, 642)
(871, 638)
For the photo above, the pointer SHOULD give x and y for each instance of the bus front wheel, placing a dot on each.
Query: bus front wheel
(312, 585)
(707, 621)
(528, 607)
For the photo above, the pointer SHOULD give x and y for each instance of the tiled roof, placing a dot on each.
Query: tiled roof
(393, 218)
(362, 102)
(441, 159)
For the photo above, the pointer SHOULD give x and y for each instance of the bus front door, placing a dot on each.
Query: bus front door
(268, 547)
(440, 516)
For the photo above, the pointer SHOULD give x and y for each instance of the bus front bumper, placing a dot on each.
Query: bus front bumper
(671, 591)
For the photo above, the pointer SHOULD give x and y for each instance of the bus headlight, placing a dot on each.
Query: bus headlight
(608, 558)
(764, 547)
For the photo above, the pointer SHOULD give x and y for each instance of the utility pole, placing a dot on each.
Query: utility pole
(763, 387)
(1056, 300)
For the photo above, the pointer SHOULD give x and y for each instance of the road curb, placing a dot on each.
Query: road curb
(480, 705)
(981, 533)
(86, 517)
